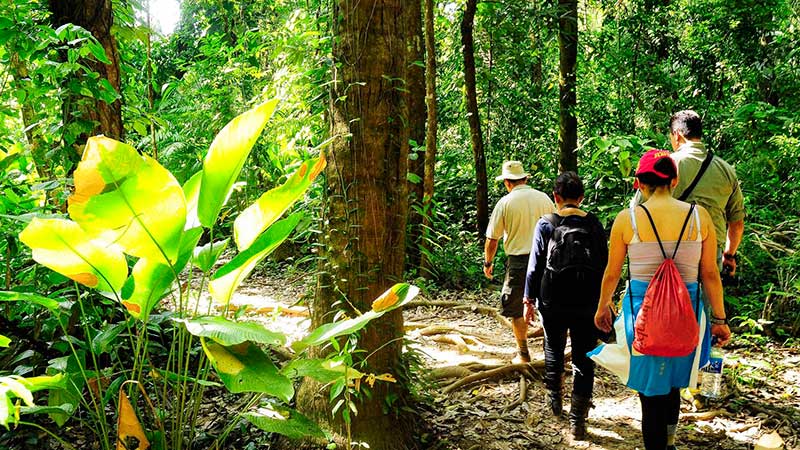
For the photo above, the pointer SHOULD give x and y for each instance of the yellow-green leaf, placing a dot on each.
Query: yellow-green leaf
(226, 157)
(225, 280)
(245, 368)
(269, 207)
(129, 199)
(62, 245)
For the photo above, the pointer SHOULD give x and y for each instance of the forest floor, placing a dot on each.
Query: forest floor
(762, 382)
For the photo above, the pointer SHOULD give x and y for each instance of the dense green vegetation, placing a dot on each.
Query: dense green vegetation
(735, 62)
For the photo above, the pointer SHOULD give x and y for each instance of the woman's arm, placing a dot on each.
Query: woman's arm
(617, 251)
(709, 275)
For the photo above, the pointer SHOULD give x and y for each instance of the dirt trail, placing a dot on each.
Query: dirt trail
(763, 382)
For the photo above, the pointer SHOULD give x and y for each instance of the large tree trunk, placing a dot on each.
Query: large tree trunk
(481, 189)
(568, 54)
(415, 80)
(97, 17)
(432, 129)
(363, 243)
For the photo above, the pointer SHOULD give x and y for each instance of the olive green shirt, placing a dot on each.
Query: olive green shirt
(514, 218)
(718, 190)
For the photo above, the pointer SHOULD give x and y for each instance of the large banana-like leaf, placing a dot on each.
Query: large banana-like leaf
(129, 199)
(226, 157)
(245, 368)
(285, 421)
(395, 297)
(225, 280)
(191, 191)
(49, 303)
(273, 203)
(226, 332)
(151, 278)
(323, 370)
(62, 245)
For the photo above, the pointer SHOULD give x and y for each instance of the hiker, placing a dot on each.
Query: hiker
(646, 241)
(566, 265)
(717, 188)
(513, 219)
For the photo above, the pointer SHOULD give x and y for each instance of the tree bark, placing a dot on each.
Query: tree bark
(363, 240)
(96, 17)
(481, 188)
(415, 80)
(432, 129)
(568, 54)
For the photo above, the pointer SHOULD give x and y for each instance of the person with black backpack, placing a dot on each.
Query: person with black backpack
(672, 247)
(565, 269)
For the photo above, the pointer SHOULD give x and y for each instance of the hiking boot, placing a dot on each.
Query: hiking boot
(578, 411)
(554, 381)
(554, 401)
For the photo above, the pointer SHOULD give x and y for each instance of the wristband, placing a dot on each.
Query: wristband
(718, 321)
(729, 256)
(488, 264)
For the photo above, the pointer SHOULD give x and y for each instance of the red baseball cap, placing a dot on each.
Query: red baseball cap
(648, 162)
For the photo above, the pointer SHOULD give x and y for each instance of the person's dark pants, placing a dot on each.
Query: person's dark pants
(583, 335)
(658, 412)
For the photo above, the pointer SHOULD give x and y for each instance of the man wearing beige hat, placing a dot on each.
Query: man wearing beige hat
(514, 219)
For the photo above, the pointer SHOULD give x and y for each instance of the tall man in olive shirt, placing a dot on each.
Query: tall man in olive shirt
(514, 219)
(717, 190)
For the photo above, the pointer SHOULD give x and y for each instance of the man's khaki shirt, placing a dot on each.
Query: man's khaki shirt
(514, 218)
(718, 190)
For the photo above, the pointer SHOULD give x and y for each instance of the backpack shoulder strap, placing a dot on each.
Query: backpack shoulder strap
(683, 228)
(653, 224)
(553, 219)
(703, 167)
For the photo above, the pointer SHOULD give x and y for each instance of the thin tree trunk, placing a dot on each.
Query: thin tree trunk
(432, 129)
(415, 80)
(151, 94)
(568, 54)
(481, 189)
(363, 242)
(97, 17)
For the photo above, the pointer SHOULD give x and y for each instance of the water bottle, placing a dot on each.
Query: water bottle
(712, 375)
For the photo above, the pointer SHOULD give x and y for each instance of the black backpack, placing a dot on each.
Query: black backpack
(576, 258)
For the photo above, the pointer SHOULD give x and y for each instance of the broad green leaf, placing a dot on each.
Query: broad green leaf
(191, 190)
(228, 277)
(64, 409)
(245, 368)
(40, 383)
(226, 332)
(150, 279)
(11, 296)
(206, 256)
(273, 203)
(4, 341)
(102, 342)
(129, 199)
(285, 421)
(226, 157)
(395, 297)
(62, 245)
(322, 370)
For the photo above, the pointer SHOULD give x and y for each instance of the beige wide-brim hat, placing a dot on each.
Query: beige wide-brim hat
(512, 170)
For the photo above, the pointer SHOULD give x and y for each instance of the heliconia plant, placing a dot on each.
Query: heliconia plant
(127, 208)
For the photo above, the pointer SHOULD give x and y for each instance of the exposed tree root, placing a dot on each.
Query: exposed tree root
(523, 394)
(295, 311)
(704, 415)
(529, 370)
(483, 309)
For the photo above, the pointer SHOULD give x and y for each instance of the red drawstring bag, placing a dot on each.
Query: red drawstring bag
(666, 324)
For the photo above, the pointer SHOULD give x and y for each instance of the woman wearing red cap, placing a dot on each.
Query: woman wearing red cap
(658, 379)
